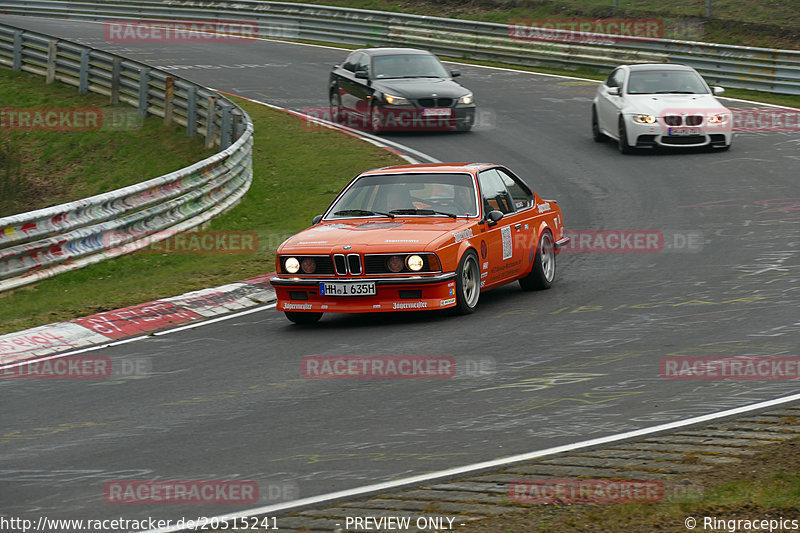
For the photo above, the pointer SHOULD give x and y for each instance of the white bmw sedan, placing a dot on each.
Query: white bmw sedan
(660, 105)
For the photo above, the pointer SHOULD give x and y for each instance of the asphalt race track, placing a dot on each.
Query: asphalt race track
(536, 370)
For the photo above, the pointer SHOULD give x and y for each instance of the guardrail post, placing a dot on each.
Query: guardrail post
(52, 52)
(16, 52)
(211, 115)
(169, 94)
(225, 129)
(116, 63)
(191, 111)
(238, 124)
(83, 84)
(144, 89)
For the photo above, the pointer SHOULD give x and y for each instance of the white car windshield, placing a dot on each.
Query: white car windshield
(665, 82)
(401, 195)
(407, 66)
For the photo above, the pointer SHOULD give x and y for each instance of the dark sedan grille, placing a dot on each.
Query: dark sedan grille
(435, 102)
(673, 120)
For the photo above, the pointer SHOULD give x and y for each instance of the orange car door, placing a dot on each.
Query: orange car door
(499, 262)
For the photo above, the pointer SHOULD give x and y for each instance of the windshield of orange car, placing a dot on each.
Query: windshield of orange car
(407, 66)
(666, 82)
(402, 195)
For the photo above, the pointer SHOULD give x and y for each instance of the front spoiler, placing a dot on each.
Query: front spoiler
(404, 293)
(280, 281)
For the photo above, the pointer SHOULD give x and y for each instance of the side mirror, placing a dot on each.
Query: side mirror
(493, 217)
(316, 219)
(336, 66)
(455, 73)
(613, 91)
(362, 75)
(717, 90)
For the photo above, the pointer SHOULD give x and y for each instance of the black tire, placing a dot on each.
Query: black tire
(624, 147)
(335, 105)
(543, 272)
(375, 120)
(468, 283)
(303, 318)
(597, 135)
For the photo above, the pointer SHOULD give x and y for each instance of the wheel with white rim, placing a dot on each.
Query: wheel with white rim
(543, 271)
(468, 283)
(375, 119)
(336, 105)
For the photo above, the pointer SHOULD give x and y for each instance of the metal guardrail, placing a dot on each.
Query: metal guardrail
(762, 69)
(48, 241)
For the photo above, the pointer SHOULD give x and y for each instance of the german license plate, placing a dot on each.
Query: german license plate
(347, 289)
(436, 112)
(684, 131)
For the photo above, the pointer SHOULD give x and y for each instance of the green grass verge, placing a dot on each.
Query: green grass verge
(763, 486)
(53, 167)
(774, 24)
(297, 170)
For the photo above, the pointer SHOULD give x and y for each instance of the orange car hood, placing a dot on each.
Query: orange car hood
(381, 235)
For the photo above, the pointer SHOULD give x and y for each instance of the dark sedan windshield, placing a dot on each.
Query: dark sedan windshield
(400, 195)
(407, 66)
(665, 82)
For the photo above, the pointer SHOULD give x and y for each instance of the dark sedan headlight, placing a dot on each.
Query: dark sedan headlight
(466, 99)
(395, 100)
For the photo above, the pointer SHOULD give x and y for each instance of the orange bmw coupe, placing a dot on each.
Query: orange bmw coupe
(419, 237)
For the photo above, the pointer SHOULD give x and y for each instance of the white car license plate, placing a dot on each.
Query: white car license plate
(436, 112)
(347, 289)
(685, 131)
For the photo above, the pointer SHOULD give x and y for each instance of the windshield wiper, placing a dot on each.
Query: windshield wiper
(422, 212)
(676, 92)
(361, 212)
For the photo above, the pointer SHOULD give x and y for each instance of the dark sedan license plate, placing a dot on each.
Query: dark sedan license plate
(347, 289)
(436, 112)
(684, 131)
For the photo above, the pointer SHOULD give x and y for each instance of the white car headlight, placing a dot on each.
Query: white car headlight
(395, 100)
(292, 265)
(644, 119)
(718, 118)
(466, 99)
(415, 263)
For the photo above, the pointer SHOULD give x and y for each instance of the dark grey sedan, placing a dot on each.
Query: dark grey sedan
(399, 89)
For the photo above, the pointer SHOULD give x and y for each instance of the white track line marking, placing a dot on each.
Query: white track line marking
(183, 327)
(452, 472)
